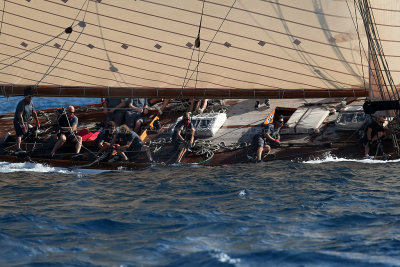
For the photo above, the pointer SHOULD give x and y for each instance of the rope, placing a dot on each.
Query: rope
(212, 40)
(50, 68)
(2, 16)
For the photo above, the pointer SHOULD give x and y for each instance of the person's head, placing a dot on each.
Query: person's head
(111, 126)
(124, 129)
(381, 119)
(279, 121)
(70, 111)
(28, 94)
(186, 118)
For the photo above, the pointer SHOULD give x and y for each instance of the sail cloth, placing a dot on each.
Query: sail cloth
(258, 44)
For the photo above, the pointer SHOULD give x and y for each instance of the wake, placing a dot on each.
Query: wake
(328, 158)
(6, 167)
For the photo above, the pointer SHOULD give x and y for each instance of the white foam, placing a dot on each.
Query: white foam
(223, 257)
(330, 158)
(6, 167)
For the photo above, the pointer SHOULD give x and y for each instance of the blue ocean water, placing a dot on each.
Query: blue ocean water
(320, 213)
(9, 104)
(328, 212)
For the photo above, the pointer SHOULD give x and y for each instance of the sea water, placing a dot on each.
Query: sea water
(317, 213)
(326, 212)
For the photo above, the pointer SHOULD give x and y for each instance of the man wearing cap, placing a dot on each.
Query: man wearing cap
(183, 136)
(269, 137)
(68, 124)
(375, 132)
(22, 115)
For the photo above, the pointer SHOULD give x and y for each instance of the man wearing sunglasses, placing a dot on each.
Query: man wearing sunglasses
(68, 124)
(269, 137)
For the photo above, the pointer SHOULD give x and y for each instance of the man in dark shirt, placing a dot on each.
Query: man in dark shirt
(269, 137)
(22, 115)
(68, 124)
(138, 107)
(183, 136)
(105, 137)
(114, 108)
(375, 132)
(127, 140)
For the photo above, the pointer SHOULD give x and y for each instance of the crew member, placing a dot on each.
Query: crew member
(114, 108)
(183, 136)
(105, 137)
(22, 115)
(126, 140)
(375, 132)
(269, 137)
(138, 108)
(68, 124)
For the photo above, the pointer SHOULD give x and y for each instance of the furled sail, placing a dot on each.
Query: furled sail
(244, 49)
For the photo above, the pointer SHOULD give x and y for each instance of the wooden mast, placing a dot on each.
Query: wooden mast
(187, 93)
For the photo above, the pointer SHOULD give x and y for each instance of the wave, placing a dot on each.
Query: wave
(328, 158)
(6, 167)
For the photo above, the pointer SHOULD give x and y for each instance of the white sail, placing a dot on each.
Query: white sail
(270, 44)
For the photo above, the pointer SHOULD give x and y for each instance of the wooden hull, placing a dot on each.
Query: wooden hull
(39, 148)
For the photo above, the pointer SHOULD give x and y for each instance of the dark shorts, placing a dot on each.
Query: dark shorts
(131, 117)
(136, 147)
(18, 130)
(117, 117)
(70, 137)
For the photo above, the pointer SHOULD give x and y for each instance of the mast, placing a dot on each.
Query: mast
(186, 93)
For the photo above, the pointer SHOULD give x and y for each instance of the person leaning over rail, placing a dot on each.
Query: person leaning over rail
(183, 136)
(106, 136)
(270, 136)
(67, 123)
(127, 141)
(374, 133)
(22, 115)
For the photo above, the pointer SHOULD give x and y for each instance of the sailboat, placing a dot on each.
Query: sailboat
(311, 58)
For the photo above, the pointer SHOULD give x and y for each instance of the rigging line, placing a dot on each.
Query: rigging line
(191, 24)
(48, 71)
(379, 51)
(243, 61)
(196, 45)
(212, 40)
(328, 34)
(239, 10)
(187, 71)
(360, 44)
(377, 60)
(112, 68)
(383, 58)
(232, 58)
(308, 62)
(2, 16)
(324, 56)
(30, 52)
(197, 72)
